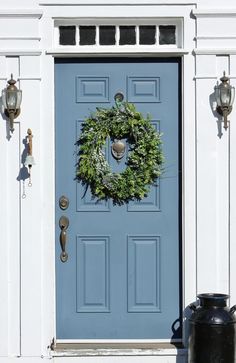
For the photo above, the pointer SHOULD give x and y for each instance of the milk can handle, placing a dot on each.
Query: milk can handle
(193, 307)
(233, 309)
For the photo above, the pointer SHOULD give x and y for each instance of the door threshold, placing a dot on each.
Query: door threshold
(122, 348)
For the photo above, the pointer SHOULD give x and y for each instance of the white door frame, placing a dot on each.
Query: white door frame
(188, 140)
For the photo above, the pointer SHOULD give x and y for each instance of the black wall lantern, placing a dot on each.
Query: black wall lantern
(11, 99)
(224, 94)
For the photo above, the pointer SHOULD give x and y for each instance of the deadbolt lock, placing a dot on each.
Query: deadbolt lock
(63, 202)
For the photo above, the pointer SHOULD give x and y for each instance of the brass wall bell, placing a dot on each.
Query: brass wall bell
(29, 161)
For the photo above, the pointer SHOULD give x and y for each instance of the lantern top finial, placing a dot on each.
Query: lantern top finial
(224, 79)
(11, 81)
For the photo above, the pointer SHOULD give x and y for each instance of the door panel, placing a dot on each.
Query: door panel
(121, 280)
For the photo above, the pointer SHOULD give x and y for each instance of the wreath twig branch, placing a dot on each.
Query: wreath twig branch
(144, 161)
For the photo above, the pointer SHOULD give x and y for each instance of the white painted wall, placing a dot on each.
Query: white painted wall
(27, 303)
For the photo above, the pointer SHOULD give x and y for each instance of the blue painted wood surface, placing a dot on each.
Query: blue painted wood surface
(121, 280)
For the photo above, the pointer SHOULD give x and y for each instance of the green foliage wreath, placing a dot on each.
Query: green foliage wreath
(145, 157)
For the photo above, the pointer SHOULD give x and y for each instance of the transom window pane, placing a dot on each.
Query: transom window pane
(118, 35)
(87, 35)
(67, 35)
(107, 35)
(147, 34)
(167, 34)
(127, 35)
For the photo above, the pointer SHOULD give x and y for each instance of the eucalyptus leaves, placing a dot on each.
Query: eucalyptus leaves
(144, 162)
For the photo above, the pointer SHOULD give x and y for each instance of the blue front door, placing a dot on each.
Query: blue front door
(122, 276)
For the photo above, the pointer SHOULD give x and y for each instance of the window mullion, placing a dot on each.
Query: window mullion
(137, 34)
(97, 36)
(117, 35)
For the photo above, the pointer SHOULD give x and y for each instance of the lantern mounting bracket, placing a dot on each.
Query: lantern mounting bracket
(15, 113)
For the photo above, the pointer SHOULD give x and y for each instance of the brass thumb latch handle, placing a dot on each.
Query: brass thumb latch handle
(63, 224)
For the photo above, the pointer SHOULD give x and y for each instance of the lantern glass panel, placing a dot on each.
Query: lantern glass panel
(225, 96)
(19, 98)
(232, 96)
(4, 101)
(217, 95)
(11, 100)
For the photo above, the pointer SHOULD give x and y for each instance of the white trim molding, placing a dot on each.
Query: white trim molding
(207, 13)
(117, 53)
(214, 51)
(113, 2)
(212, 37)
(19, 13)
(22, 52)
(20, 38)
(206, 76)
(93, 11)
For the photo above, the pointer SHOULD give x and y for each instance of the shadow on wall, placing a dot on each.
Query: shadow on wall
(23, 173)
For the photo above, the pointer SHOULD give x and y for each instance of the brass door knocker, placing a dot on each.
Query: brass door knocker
(118, 149)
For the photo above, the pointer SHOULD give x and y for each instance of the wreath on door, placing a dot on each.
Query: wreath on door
(144, 157)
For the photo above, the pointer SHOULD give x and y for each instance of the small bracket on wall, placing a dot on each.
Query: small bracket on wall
(52, 345)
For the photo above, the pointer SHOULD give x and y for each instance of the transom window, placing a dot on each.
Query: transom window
(151, 35)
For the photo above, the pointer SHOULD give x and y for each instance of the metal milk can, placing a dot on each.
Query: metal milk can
(212, 330)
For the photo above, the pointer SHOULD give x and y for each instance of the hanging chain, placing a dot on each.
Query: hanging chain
(23, 187)
(30, 182)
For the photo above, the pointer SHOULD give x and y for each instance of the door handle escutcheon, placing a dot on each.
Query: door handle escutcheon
(63, 224)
